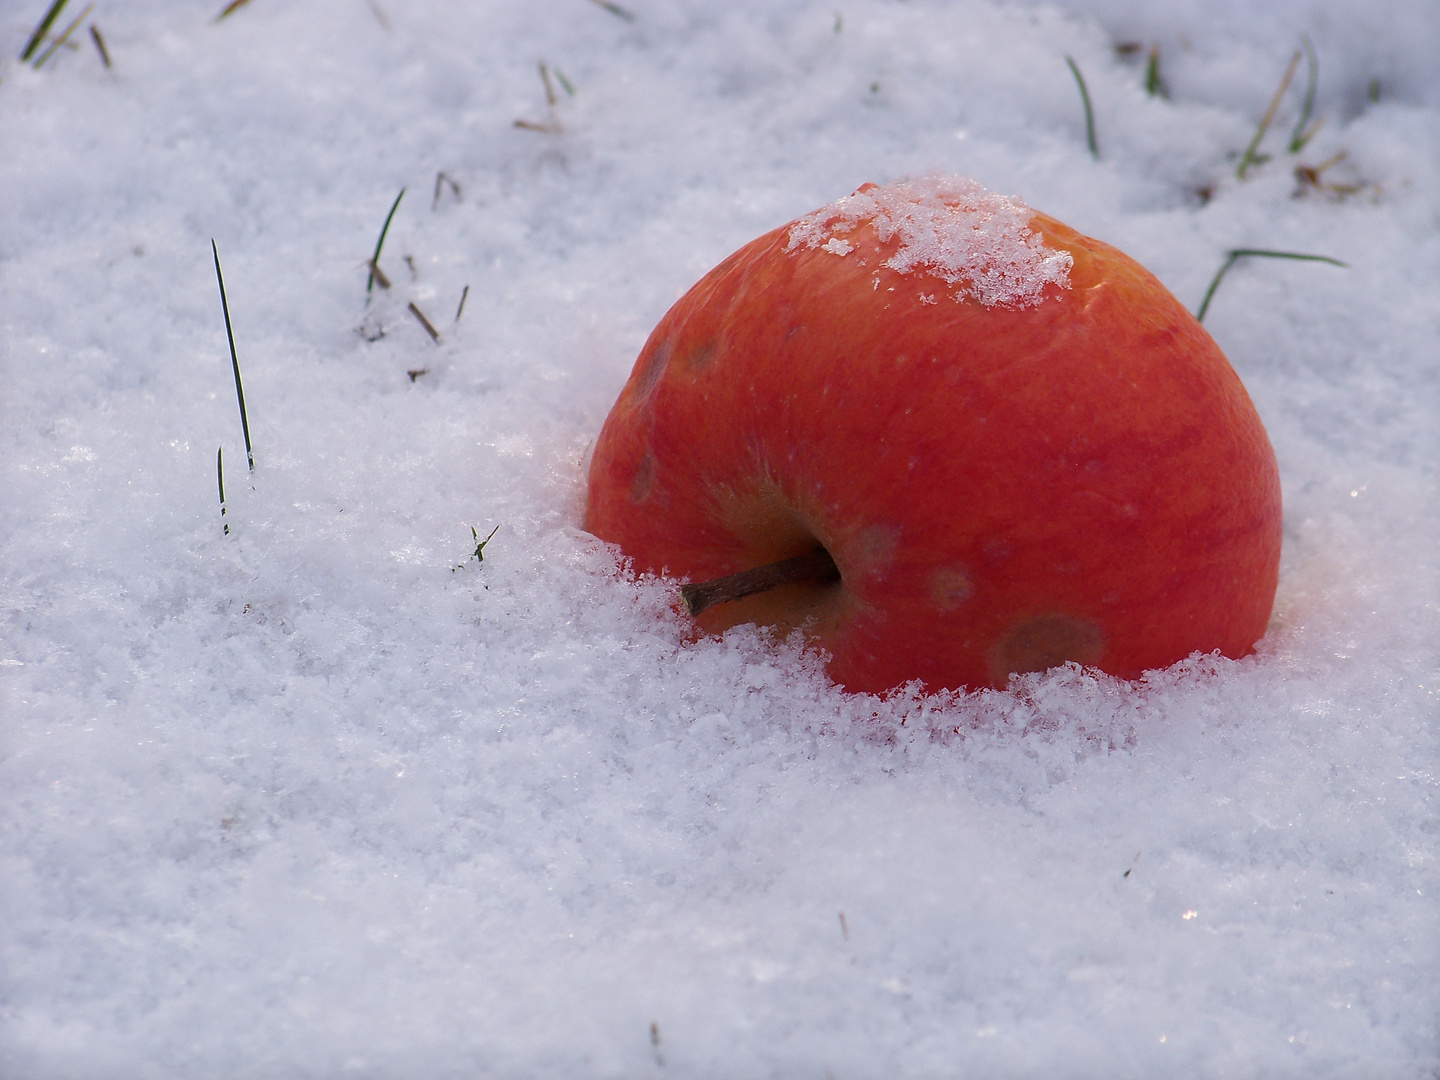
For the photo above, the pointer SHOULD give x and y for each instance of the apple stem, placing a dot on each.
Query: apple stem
(817, 566)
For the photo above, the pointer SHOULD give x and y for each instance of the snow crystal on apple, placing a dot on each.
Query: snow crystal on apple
(950, 227)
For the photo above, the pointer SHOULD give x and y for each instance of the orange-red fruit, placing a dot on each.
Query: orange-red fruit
(1004, 486)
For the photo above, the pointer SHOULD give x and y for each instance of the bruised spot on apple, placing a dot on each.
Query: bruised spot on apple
(950, 586)
(949, 439)
(1043, 642)
(642, 479)
(651, 366)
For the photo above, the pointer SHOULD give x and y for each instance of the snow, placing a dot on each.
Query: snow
(949, 227)
(329, 796)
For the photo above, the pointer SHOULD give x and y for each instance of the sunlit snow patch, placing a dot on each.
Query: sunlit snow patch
(951, 227)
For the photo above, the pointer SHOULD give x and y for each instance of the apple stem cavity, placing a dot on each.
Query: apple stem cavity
(817, 566)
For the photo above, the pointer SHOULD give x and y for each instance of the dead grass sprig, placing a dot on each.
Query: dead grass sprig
(99, 40)
(63, 37)
(230, 9)
(1251, 157)
(442, 181)
(429, 327)
(1303, 133)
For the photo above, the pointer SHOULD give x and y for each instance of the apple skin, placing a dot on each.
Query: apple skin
(1002, 489)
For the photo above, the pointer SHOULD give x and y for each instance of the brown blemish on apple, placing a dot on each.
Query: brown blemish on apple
(700, 357)
(950, 587)
(1045, 641)
(643, 479)
(651, 366)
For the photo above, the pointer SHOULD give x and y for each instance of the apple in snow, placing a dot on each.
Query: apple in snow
(950, 439)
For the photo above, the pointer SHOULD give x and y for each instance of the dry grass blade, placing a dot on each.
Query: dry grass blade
(429, 328)
(100, 44)
(1300, 136)
(41, 29)
(443, 180)
(1312, 178)
(464, 293)
(231, 8)
(1313, 175)
(1249, 157)
(1236, 254)
(380, 16)
(1089, 112)
(552, 125)
(64, 36)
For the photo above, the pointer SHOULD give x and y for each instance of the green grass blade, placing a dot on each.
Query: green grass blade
(1089, 112)
(375, 259)
(615, 9)
(42, 29)
(1236, 254)
(220, 480)
(234, 360)
(1154, 85)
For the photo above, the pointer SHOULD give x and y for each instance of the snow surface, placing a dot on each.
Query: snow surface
(305, 801)
(948, 226)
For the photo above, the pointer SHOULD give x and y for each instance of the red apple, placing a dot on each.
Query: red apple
(1002, 445)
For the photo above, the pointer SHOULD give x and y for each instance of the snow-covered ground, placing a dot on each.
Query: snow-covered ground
(304, 800)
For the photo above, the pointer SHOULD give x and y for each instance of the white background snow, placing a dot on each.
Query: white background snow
(300, 801)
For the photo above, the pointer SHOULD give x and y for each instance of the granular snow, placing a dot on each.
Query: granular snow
(300, 801)
(950, 227)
